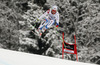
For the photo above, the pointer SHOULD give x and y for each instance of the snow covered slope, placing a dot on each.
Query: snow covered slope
(8, 57)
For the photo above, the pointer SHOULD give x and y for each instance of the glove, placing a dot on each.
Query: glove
(56, 26)
(37, 20)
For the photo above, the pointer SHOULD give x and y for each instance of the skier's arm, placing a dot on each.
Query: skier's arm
(57, 21)
(44, 15)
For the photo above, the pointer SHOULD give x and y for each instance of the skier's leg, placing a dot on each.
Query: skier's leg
(51, 22)
(43, 24)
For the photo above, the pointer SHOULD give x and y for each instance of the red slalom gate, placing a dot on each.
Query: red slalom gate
(69, 48)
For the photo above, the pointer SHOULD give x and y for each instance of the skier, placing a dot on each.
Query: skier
(50, 17)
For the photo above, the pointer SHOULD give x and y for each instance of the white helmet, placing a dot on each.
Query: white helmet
(54, 9)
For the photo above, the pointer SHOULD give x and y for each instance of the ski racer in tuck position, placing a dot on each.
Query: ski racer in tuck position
(50, 17)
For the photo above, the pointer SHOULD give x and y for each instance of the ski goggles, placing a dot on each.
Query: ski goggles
(53, 11)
